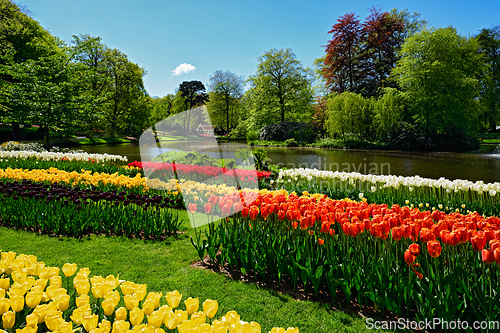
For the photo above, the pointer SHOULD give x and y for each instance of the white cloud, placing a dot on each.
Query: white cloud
(183, 68)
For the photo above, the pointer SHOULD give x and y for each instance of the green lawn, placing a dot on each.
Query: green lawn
(165, 266)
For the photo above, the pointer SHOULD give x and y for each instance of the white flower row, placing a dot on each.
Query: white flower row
(47, 156)
(389, 181)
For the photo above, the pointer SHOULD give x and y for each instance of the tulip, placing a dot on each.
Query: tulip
(62, 302)
(136, 316)
(120, 326)
(487, 256)
(56, 281)
(253, 212)
(90, 322)
(434, 248)
(409, 258)
(414, 249)
(277, 330)
(128, 287)
(192, 305)
(82, 300)
(173, 321)
(108, 306)
(66, 327)
(54, 320)
(8, 319)
(173, 298)
(33, 298)
(478, 241)
(4, 305)
(210, 308)
(105, 326)
(5, 283)
(208, 208)
(121, 314)
(131, 301)
(192, 208)
(69, 269)
(16, 303)
(156, 319)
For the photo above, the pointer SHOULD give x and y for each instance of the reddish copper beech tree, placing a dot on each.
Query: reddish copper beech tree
(360, 56)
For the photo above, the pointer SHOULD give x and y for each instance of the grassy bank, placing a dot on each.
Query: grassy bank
(166, 266)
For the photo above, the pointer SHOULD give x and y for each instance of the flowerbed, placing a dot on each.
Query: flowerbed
(61, 210)
(34, 298)
(208, 174)
(426, 263)
(462, 195)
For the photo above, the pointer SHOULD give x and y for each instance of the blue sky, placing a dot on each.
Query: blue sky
(205, 36)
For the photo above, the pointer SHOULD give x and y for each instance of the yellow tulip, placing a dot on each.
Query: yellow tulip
(56, 281)
(8, 256)
(32, 320)
(232, 317)
(121, 314)
(156, 319)
(5, 283)
(82, 287)
(17, 303)
(199, 317)
(108, 306)
(255, 327)
(128, 287)
(4, 305)
(90, 322)
(62, 302)
(66, 327)
(82, 300)
(173, 298)
(52, 271)
(277, 330)
(192, 305)
(120, 326)
(131, 301)
(2, 293)
(210, 308)
(69, 269)
(183, 314)
(221, 329)
(79, 313)
(40, 284)
(136, 316)
(140, 291)
(53, 320)
(105, 326)
(205, 328)
(292, 330)
(173, 321)
(17, 274)
(8, 319)
(148, 307)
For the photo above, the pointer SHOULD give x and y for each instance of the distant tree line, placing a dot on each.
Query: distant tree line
(391, 78)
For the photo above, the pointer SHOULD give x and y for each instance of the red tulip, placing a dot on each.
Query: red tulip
(244, 212)
(321, 241)
(192, 207)
(414, 249)
(253, 212)
(488, 256)
(478, 241)
(208, 208)
(409, 258)
(434, 248)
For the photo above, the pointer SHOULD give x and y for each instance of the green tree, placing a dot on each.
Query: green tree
(438, 74)
(126, 89)
(281, 89)
(489, 45)
(388, 112)
(161, 107)
(47, 91)
(226, 89)
(348, 113)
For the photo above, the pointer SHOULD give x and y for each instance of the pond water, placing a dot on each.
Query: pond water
(483, 164)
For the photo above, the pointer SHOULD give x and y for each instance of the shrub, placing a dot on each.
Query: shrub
(287, 130)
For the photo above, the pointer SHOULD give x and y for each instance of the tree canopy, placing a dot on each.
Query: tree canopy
(281, 89)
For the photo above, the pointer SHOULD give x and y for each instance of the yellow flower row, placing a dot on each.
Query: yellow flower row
(30, 284)
(54, 175)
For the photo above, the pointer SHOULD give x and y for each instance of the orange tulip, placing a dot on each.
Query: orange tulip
(478, 241)
(208, 208)
(414, 249)
(253, 212)
(487, 256)
(409, 258)
(192, 207)
(434, 248)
